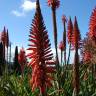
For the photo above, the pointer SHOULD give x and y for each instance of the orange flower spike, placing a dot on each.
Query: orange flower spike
(54, 3)
(3, 39)
(92, 25)
(3, 36)
(40, 52)
(61, 46)
(64, 19)
(76, 37)
(22, 59)
(70, 30)
(76, 43)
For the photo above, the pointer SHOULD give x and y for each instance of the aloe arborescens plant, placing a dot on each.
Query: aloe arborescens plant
(40, 54)
(76, 42)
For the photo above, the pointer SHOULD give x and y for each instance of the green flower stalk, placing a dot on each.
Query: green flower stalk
(76, 39)
(64, 20)
(54, 5)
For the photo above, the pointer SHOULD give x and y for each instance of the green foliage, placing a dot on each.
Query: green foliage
(13, 85)
(18, 85)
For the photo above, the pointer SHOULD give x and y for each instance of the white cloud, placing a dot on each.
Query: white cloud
(17, 13)
(26, 6)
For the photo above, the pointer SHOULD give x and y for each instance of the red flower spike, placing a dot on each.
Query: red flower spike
(40, 53)
(64, 19)
(4, 39)
(76, 37)
(92, 25)
(3, 36)
(76, 42)
(22, 59)
(54, 3)
(70, 31)
(61, 46)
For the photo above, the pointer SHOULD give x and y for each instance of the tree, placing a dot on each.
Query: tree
(7, 42)
(1, 59)
(16, 64)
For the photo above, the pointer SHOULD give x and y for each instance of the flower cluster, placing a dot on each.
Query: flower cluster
(92, 26)
(69, 30)
(22, 59)
(76, 37)
(54, 3)
(40, 54)
(61, 46)
(64, 19)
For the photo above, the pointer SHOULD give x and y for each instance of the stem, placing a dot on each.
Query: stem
(76, 70)
(7, 54)
(61, 58)
(69, 54)
(55, 42)
(64, 41)
(55, 35)
(43, 90)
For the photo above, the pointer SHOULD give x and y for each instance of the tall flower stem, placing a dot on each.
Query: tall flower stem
(69, 54)
(69, 35)
(76, 71)
(76, 59)
(61, 56)
(64, 41)
(55, 35)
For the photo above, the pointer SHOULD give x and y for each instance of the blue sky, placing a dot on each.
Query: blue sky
(17, 16)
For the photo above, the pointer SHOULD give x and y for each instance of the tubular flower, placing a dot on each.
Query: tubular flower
(76, 38)
(22, 59)
(61, 46)
(70, 30)
(40, 54)
(92, 25)
(54, 3)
